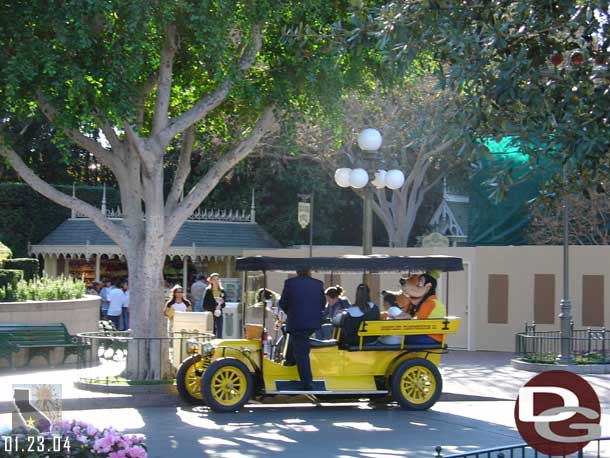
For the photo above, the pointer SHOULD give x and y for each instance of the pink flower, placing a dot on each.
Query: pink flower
(136, 452)
(65, 425)
(119, 454)
(103, 444)
(82, 438)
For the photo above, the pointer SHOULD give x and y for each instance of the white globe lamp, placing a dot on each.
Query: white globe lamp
(394, 179)
(358, 178)
(369, 140)
(379, 181)
(342, 176)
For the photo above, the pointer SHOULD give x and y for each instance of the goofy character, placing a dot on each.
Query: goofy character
(419, 291)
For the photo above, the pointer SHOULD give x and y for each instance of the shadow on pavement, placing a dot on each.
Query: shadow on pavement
(327, 430)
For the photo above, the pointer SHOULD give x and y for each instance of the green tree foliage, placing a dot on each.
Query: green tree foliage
(26, 216)
(52, 160)
(158, 79)
(537, 70)
(337, 212)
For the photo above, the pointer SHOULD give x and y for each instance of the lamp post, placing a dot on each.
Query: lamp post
(369, 141)
(565, 315)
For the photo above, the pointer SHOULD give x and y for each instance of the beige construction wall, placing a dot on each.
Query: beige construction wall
(489, 318)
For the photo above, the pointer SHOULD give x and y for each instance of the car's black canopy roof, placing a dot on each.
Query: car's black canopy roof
(352, 263)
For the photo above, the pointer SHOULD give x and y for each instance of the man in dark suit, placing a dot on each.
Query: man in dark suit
(303, 301)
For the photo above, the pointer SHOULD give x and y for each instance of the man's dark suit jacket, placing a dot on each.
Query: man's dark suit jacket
(303, 301)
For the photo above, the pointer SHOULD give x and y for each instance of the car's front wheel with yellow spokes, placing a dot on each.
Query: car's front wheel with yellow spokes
(416, 384)
(188, 379)
(226, 385)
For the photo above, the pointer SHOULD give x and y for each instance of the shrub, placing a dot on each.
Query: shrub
(5, 253)
(30, 266)
(81, 440)
(10, 277)
(44, 289)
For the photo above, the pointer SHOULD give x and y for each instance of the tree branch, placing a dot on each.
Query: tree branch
(432, 184)
(182, 170)
(212, 100)
(265, 124)
(103, 155)
(164, 85)
(114, 231)
(149, 85)
(141, 147)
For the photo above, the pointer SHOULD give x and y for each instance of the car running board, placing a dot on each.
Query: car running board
(326, 392)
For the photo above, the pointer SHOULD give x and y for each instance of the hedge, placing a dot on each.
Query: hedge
(10, 277)
(30, 266)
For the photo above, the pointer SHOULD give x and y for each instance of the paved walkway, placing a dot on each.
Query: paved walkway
(476, 411)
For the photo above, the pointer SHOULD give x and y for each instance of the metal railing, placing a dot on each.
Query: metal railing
(598, 448)
(589, 346)
(110, 356)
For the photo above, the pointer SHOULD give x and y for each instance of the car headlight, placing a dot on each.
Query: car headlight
(207, 348)
(192, 347)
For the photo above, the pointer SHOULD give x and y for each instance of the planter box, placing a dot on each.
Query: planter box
(79, 315)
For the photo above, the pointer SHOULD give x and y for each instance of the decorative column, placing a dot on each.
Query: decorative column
(97, 266)
(66, 266)
(252, 209)
(185, 266)
(72, 212)
(228, 267)
(104, 210)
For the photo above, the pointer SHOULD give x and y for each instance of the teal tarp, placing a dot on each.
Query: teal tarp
(503, 222)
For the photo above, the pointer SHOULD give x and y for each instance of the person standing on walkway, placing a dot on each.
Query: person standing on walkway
(108, 286)
(303, 301)
(197, 292)
(125, 314)
(116, 299)
(214, 301)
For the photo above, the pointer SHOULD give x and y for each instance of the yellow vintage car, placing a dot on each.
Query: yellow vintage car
(225, 374)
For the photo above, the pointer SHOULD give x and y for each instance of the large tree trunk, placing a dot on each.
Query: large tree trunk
(148, 357)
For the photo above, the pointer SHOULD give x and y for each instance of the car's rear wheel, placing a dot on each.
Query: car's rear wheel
(416, 384)
(188, 380)
(226, 385)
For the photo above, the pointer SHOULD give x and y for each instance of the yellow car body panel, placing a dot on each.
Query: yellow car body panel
(342, 370)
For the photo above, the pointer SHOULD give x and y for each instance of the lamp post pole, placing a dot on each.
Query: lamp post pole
(565, 316)
(367, 222)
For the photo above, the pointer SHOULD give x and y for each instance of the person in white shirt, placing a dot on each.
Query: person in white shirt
(108, 286)
(116, 299)
(394, 313)
(178, 303)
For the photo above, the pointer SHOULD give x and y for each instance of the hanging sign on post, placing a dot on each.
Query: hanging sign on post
(303, 214)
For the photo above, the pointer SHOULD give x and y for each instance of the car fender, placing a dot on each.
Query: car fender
(400, 358)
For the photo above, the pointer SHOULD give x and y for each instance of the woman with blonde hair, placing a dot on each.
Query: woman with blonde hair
(214, 301)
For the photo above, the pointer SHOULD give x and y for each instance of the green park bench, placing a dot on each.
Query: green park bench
(39, 339)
